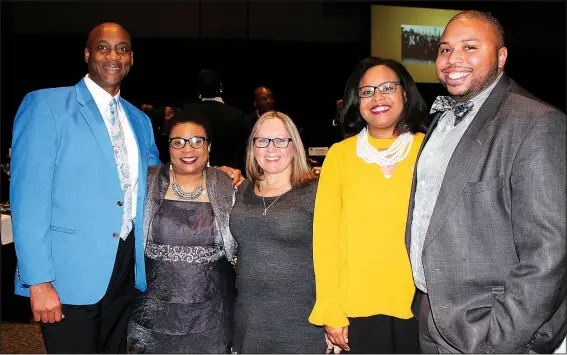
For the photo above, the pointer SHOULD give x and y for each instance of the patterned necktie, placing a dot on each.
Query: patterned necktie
(121, 157)
(447, 103)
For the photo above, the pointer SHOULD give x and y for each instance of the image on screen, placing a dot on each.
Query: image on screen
(409, 35)
(420, 43)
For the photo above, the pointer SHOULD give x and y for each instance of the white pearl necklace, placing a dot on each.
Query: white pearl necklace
(395, 153)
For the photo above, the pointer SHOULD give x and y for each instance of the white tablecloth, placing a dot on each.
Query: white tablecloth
(6, 229)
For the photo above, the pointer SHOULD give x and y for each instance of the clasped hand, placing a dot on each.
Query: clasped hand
(336, 339)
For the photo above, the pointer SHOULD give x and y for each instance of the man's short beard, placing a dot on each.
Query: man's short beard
(477, 86)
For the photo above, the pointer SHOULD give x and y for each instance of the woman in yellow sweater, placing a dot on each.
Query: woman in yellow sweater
(364, 284)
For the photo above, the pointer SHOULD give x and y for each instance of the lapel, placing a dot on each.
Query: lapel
(221, 196)
(138, 133)
(217, 194)
(465, 159)
(92, 115)
(219, 201)
(434, 122)
(157, 184)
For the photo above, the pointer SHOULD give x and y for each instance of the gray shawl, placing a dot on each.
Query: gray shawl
(221, 196)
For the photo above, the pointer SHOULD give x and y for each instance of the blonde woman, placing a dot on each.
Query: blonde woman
(272, 223)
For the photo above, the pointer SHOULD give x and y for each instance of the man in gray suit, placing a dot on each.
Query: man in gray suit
(486, 229)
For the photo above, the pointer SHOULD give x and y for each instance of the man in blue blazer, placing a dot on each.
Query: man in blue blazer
(80, 158)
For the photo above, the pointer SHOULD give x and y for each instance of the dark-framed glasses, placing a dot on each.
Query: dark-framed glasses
(388, 87)
(263, 142)
(195, 142)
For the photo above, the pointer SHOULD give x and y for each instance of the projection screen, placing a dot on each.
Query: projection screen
(409, 35)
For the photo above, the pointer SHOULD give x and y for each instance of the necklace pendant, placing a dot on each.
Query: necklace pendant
(270, 205)
(188, 196)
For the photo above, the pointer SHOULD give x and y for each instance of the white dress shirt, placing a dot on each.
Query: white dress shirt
(103, 100)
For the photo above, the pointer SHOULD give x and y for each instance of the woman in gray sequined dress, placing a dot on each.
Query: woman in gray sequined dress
(188, 305)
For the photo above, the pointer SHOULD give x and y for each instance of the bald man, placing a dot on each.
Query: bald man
(80, 158)
(263, 102)
(486, 231)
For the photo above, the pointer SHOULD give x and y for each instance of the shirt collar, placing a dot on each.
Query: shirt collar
(101, 97)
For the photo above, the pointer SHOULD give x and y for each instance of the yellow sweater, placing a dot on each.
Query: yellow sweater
(361, 264)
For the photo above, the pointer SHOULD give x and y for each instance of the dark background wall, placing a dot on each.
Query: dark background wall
(304, 51)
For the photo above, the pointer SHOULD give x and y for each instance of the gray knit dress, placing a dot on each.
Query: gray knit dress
(275, 279)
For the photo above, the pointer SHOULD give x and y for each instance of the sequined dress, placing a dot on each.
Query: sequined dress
(188, 306)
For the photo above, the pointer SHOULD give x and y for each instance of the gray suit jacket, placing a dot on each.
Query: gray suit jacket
(221, 196)
(495, 253)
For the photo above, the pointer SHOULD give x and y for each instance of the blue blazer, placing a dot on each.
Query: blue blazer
(64, 193)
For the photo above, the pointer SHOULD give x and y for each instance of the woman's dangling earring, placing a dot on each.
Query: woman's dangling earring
(209, 156)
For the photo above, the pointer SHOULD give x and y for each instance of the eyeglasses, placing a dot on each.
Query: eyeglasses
(388, 87)
(262, 142)
(195, 142)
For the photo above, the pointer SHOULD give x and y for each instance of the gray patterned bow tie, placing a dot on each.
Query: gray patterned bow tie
(447, 103)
